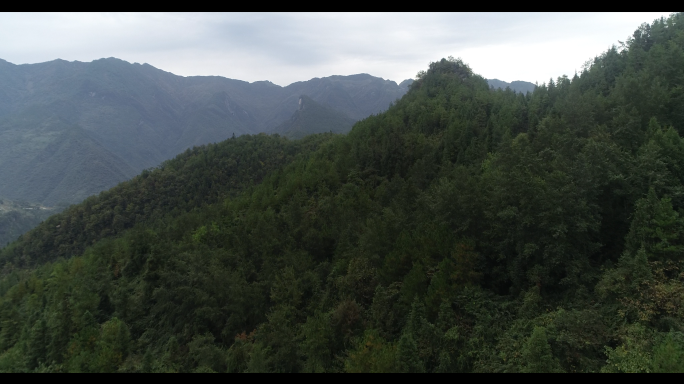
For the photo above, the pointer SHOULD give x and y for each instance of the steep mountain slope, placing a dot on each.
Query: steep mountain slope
(201, 176)
(19, 217)
(357, 96)
(136, 116)
(465, 229)
(68, 163)
(312, 118)
(406, 83)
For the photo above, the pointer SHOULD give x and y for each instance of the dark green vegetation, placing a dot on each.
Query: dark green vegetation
(311, 118)
(19, 217)
(515, 86)
(200, 176)
(69, 130)
(465, 229)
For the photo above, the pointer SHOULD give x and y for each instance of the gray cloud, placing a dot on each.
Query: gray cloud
(285, 48)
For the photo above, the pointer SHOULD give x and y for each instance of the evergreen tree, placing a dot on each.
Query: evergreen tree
(408, 359)
(537, 354)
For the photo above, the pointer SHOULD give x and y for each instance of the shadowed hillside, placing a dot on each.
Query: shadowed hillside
(311, 118)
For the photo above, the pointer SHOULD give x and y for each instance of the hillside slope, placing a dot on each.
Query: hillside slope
(311, 118)
(197, 177)
(96, 124)
(465, 229)
(17, 218)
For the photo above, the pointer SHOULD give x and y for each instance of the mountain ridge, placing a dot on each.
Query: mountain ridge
(69, 130)
(143, 115)
(465, 229)
(516, 86)
(311, 118)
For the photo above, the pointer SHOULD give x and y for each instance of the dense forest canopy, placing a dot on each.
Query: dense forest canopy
(465, 229)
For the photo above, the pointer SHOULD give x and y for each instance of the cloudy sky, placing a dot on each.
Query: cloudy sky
(285, 48)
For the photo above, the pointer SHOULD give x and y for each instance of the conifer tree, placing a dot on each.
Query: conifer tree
(668, 356)
(537, 354)
(408, 359)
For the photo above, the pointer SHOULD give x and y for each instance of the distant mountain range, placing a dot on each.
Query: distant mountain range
(18, 217)
(312, 117)
(69, 130)
(517, 86)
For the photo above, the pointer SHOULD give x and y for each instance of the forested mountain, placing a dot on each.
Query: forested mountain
(198, 177)
(516, 86)
(465, 229)
(406, 83)
(311, 118)
(19, 217)
(69, 130)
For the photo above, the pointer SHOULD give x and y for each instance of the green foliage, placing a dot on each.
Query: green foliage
(408, 360)
(372, 355)
(537, 354)
(466, 229)
(258, 360)
(317, 343)
(668, 356)
(201, 176)
(206, 355)
(633, 355)
(657, 227)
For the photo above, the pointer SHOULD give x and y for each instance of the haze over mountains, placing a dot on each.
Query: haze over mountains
(312, 117)
(516, 86)
(72, 129)
(69, 130)
(464, 229)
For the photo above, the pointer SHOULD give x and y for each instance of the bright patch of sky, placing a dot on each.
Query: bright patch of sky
(285, 48)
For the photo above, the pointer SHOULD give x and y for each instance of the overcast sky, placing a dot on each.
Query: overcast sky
(285, 48)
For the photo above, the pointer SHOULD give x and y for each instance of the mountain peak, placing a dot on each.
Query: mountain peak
(267, 83)
(406, 83)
